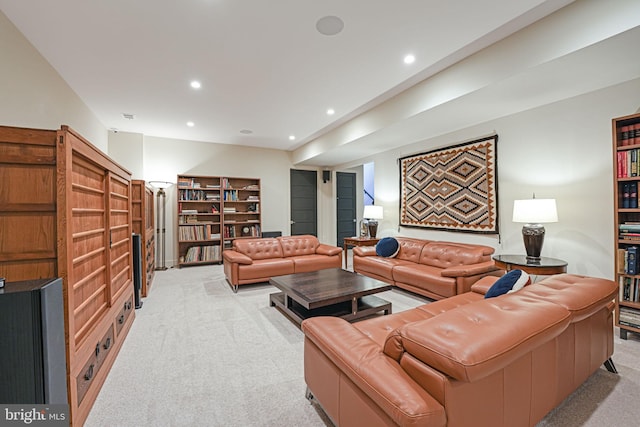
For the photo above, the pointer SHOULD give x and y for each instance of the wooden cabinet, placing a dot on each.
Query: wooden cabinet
(212, 212)
(142, 212)
(626, 162)
(65, 211)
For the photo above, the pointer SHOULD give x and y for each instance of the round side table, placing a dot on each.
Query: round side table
(543, 267)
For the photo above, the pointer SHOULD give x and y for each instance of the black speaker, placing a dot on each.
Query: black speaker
(326, 176)
(137, 268)
(33, 364)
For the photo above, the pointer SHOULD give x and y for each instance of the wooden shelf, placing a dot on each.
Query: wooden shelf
(626, 167)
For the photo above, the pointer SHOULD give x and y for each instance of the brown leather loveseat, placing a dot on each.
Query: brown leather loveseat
(434, 269)
(257, 260)
(464, 361)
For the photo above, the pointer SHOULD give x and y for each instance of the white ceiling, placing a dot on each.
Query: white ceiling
(263, 65)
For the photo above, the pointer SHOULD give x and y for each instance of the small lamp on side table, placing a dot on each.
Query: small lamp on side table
(372, 214)
(534, 212)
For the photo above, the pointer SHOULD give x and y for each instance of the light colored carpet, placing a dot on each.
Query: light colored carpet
(198, 354)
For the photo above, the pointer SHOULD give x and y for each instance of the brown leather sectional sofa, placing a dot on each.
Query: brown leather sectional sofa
(257, 260)
(431, 268)
(464, 361)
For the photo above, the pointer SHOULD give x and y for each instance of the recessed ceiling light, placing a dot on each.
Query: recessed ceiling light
(292, 137)
(329, 25)
(191, 124)
(331, 111)
(409, 59)
(195, 84)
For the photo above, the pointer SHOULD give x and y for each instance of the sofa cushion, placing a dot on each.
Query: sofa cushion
(266, 268)
(299, 245)
(425, 277)
(512, 281)
(410, 248)
(307, 263)
(266, 248)
(387, 247)
(501, 330)
(450, 254)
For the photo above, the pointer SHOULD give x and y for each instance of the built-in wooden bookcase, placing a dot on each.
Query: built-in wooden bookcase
(626, 163)
(199, 220)
(241, 209)
(213, 211)
(142, 212)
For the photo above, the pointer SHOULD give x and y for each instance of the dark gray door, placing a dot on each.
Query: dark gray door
(346, 203)
(304, 202)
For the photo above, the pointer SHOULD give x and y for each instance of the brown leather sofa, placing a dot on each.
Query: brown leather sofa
(257, 260)
(463, 361)
(431, 268)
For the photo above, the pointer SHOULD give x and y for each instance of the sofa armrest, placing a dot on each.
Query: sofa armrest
(365, 251)
(328, 250)
(237, 257)
(377, 375)
(469, 270)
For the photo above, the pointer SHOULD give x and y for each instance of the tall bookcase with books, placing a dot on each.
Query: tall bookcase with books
(240, 209)
(199, 220)
(626, 149)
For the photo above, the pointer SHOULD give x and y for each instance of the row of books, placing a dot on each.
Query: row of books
(628, 260)
(201, 253)
(629, 195)
(629, 231)
(212, 209)
(198, 232)
(191, 195)
(241, 230)
(629, 289)
(184, 182)
(629, 134)
(629, 317)
(627, 163)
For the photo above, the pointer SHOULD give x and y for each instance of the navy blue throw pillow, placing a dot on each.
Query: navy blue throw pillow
(387, 247)
(513, 280)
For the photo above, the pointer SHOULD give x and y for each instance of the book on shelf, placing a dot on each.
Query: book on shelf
(633, 195)
(632, 260)
(202, 254)
(625, 195)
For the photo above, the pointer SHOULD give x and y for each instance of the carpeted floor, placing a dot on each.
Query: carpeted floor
(200, 355)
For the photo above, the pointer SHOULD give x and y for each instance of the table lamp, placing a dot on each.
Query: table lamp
(372, 213)
(534, 212)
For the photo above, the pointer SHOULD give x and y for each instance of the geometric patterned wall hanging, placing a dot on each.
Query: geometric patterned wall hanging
(453, 188)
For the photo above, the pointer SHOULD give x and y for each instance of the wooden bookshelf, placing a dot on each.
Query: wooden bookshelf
(213, 211)
(199, 220)
(626, 167)
(241, 209)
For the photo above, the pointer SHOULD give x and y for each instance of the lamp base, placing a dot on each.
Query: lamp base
(372, 225)
(533, 236)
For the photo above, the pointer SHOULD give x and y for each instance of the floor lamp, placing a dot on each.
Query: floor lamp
(161, 199)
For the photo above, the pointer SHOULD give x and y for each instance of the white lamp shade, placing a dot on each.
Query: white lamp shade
(372, 212)
(535, 211)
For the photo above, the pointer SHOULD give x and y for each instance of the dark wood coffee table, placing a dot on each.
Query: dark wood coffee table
(329, 292)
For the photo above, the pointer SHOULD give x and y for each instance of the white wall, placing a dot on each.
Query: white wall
(562, 151)
(33, 95)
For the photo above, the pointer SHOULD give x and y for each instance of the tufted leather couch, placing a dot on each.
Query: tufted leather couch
(431, 268)
(463, 361)
(257, 260)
